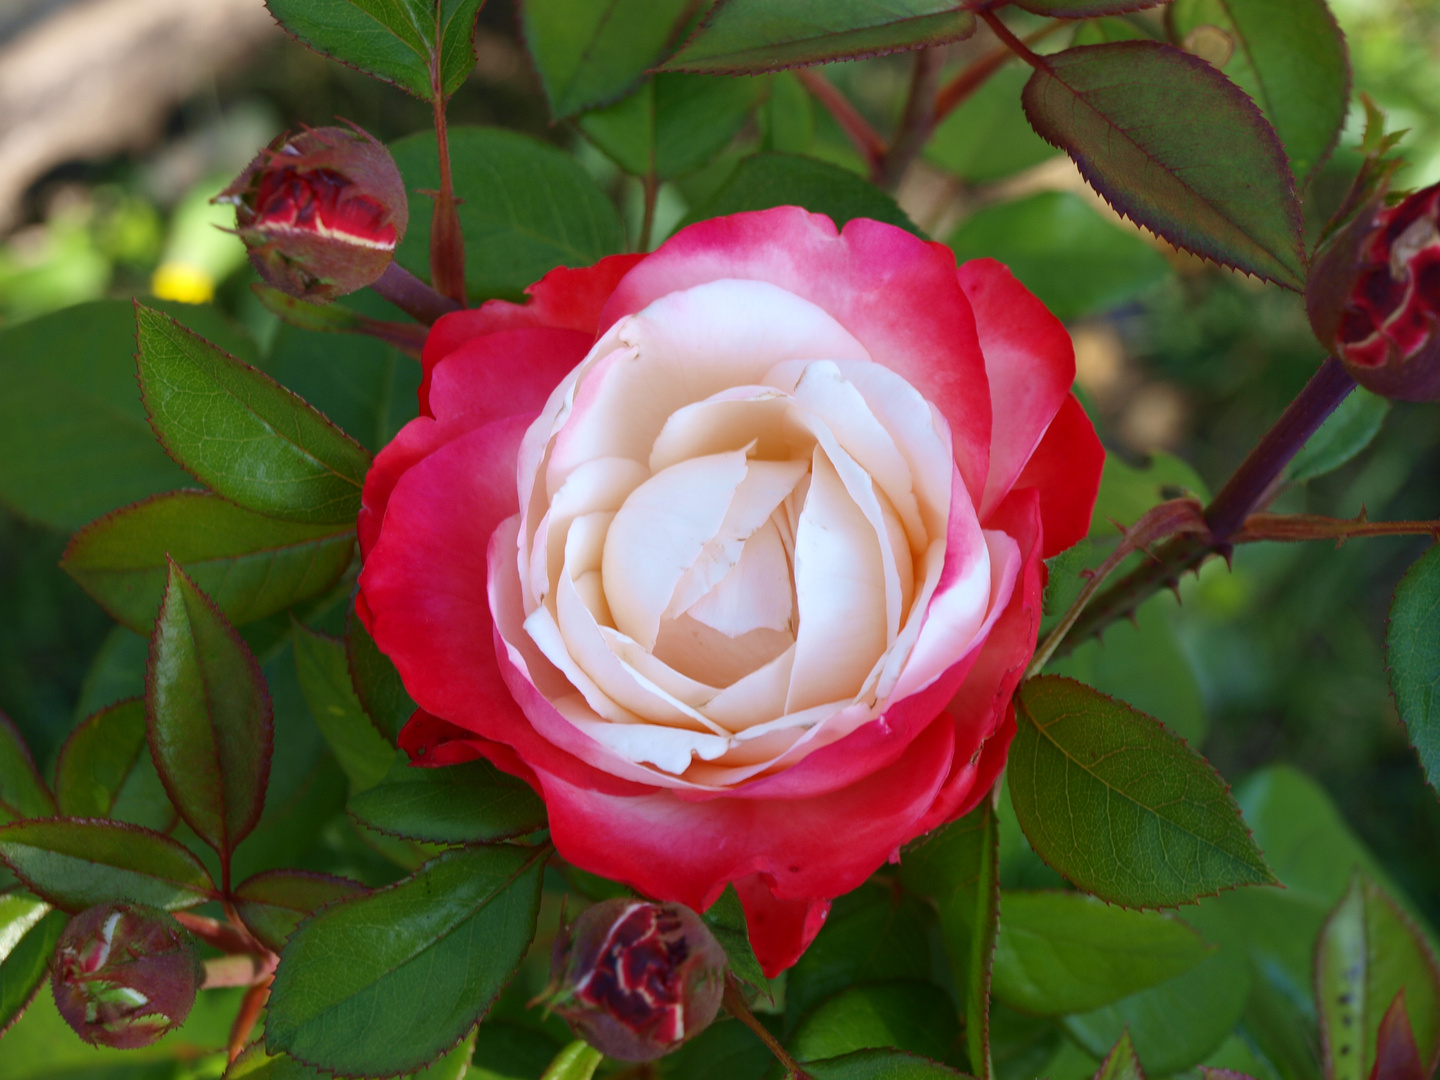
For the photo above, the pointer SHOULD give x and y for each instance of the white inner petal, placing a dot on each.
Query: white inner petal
(757, 592)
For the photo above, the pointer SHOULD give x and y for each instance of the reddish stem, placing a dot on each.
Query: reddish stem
(865, 138)
(213, 932)
(734, 1001)
(1018, 47)
(447, 246)
(413, 296)
(250, 1009)
(1288, 528)
(955, 93)
(916, 123)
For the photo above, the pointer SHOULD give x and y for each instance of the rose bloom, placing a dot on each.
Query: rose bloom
(733, 551)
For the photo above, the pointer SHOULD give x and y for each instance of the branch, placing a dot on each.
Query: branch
(734, 1002)
(447, 246)
(1288, 528)
(864, 137)
(954, 93)
(917, 121)
(413, 296)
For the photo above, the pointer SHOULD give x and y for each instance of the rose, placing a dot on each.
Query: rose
(878, 448)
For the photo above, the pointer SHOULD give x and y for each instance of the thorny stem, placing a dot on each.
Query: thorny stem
(864, 137)
(413, 296)
(917, 121)
(1248, 490)
(734, 1002)
(447, 246)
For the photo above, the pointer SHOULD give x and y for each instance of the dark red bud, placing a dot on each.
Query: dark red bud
(636, 979)
(125, 974)
(321, 212)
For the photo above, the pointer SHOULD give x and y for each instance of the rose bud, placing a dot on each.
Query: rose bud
(124, 974)
(321, 212)
(636, 979)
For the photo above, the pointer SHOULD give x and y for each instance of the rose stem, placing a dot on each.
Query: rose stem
(250, 1008)
(647, 222)
(864, 137)
(734, 1002)
(1249, 489)
(413, 296)
(916, 122)
(447, 246)
(954, 93)
(1018, 47)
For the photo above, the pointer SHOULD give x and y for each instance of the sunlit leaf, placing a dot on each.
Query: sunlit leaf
(29, 930)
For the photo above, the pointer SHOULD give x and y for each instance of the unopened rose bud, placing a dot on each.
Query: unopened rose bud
(125, 974)
(320, 212)
(636, 979)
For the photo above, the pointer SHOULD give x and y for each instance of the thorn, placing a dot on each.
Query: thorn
(1174, 586)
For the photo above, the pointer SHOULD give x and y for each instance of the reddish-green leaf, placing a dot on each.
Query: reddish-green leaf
(406, 42)
(273, 903)
(1289, 56)
(1121, 1063)
(376, 682)
(1396, 1055)
(22, 793)
(209, 718)
(958, 868)
(241, 433)
(249, 564)
(753, 36)
(1369, 951)
(76, 863)
(1178, 148)
(590, 52)
(1124, 809)
(105, 770)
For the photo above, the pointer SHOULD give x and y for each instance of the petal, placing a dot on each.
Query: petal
(805, 849)
(1065, 471)
(780, 930)
(1030, 361)
(564, 299)
(504, 373)
(897, 294)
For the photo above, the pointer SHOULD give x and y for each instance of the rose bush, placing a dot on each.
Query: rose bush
(733, 551)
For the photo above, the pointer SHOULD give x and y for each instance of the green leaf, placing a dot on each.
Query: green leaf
(1126, 492)
(508, 1051)
(772, 179)
(273, 903)
(958, 868)
(22, 793)
(255, 1064)
(525, 208)
(209, 717)
(239, 432)
(1188, 157)
(1064, 252)
(364, 386)
(1176, 1024)
(1063, 952)
(673, 123)
(1141, 662)
(105, 770)
(250, 565)
(1120, 806)
(752, 36)
(394, 40)
(1348, 431)
(1289, 56)
(384, 983)
(76, 864)
(1368, 952)
(909, 1015)
(879, 1065)
(28, 933)
(1412, 653)
(726, 1050)
(726, 919)
(1121, 1063)
(474, 803)
(987, 138)
(578, 1061)
(376, 682)
(325, 679)
(872, 934)
(589, 52)
(73, 434)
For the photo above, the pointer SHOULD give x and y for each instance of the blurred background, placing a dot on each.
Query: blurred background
(119, 119)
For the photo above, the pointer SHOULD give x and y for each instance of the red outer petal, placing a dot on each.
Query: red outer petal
(415, 442)
(564, 299)
(1030, 362)
(804, 849)
(897, 294)
(504, 373)
(432, 742)
(780, 930)
(1065, 470)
